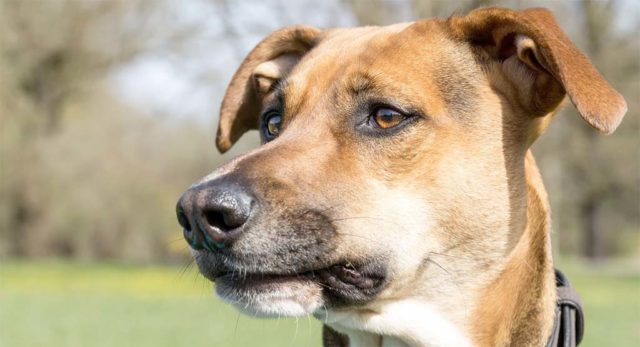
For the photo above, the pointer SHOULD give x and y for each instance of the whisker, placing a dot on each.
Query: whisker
(295, 335)
(177, 239)
(438, 265)
(363, 237)
(444, 254)
(356, 217)
(450, 248)
(235, 330)
(326, 314)
(184, 268)
(326, 286)
(327, 209)
(453, 278)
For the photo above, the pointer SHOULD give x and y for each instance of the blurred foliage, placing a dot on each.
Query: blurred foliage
(593, 180)
(84, 174)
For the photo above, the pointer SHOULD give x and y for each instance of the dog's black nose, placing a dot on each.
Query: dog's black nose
(213, 214)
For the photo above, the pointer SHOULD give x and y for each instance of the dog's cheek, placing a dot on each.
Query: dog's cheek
(394, 225)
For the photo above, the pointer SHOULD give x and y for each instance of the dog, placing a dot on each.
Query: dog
(395, 197)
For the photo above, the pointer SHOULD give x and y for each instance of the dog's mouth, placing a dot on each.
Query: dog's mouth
(337, 277)
(299, 293)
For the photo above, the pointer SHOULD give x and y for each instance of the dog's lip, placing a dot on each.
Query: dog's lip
(342, 276)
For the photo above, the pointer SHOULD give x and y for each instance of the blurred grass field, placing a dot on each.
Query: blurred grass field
(67, 304)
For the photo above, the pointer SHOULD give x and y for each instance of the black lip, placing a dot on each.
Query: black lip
(352, 285)
(340, 276)
(343, 284)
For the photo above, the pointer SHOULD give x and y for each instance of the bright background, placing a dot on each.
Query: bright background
(108, 111)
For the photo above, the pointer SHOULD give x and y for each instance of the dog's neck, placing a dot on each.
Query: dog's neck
(517, 304)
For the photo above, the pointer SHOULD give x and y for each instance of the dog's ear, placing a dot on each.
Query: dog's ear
(531, 46)
(268, 62)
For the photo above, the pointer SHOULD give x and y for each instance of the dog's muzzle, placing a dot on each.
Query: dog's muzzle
(268, 259)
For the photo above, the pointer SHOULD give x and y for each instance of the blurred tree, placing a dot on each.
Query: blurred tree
(53, 54)
(594, 181)
(606, 183)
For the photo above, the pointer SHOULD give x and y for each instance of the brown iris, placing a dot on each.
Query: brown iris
(273, 125)
(386, 118)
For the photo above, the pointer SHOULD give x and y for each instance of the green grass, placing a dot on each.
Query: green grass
(66, 304)
(69, 304)
(611, 297)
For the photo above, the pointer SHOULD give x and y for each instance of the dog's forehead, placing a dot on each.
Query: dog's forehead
(358, 36)
(402, 60)
(351, 47)
(340, 49)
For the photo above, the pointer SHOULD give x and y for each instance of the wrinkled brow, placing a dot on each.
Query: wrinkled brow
(279, 90)
(360, 83)
(280, 87)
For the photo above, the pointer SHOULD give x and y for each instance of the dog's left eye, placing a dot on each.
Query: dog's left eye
(272, 125)
(386, 118)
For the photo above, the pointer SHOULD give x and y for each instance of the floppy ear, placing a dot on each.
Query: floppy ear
(268, 62)
(552, 64)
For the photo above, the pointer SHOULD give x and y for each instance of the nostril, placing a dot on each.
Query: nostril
(183, 220)
(219, 220)
(192, 236)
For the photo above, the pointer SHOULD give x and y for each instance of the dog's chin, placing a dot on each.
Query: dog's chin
(269, 295)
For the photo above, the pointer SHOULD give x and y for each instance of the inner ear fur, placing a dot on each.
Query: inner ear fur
(555, 64)
(271, 59)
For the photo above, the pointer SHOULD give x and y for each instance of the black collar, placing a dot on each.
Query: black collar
(568, 326)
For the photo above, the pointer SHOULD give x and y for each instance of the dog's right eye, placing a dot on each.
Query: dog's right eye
(386, 118)
(271, 125)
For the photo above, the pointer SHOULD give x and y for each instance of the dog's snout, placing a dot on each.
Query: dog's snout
(213, 214)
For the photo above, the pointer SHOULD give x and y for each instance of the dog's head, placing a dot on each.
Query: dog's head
(392, 158)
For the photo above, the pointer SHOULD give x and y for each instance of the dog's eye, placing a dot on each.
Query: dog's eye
(272, 124)
(386, 118)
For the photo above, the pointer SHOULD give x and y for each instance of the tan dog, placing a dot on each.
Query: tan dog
(395, 196)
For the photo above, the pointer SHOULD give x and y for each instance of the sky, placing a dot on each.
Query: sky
(191, 84)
